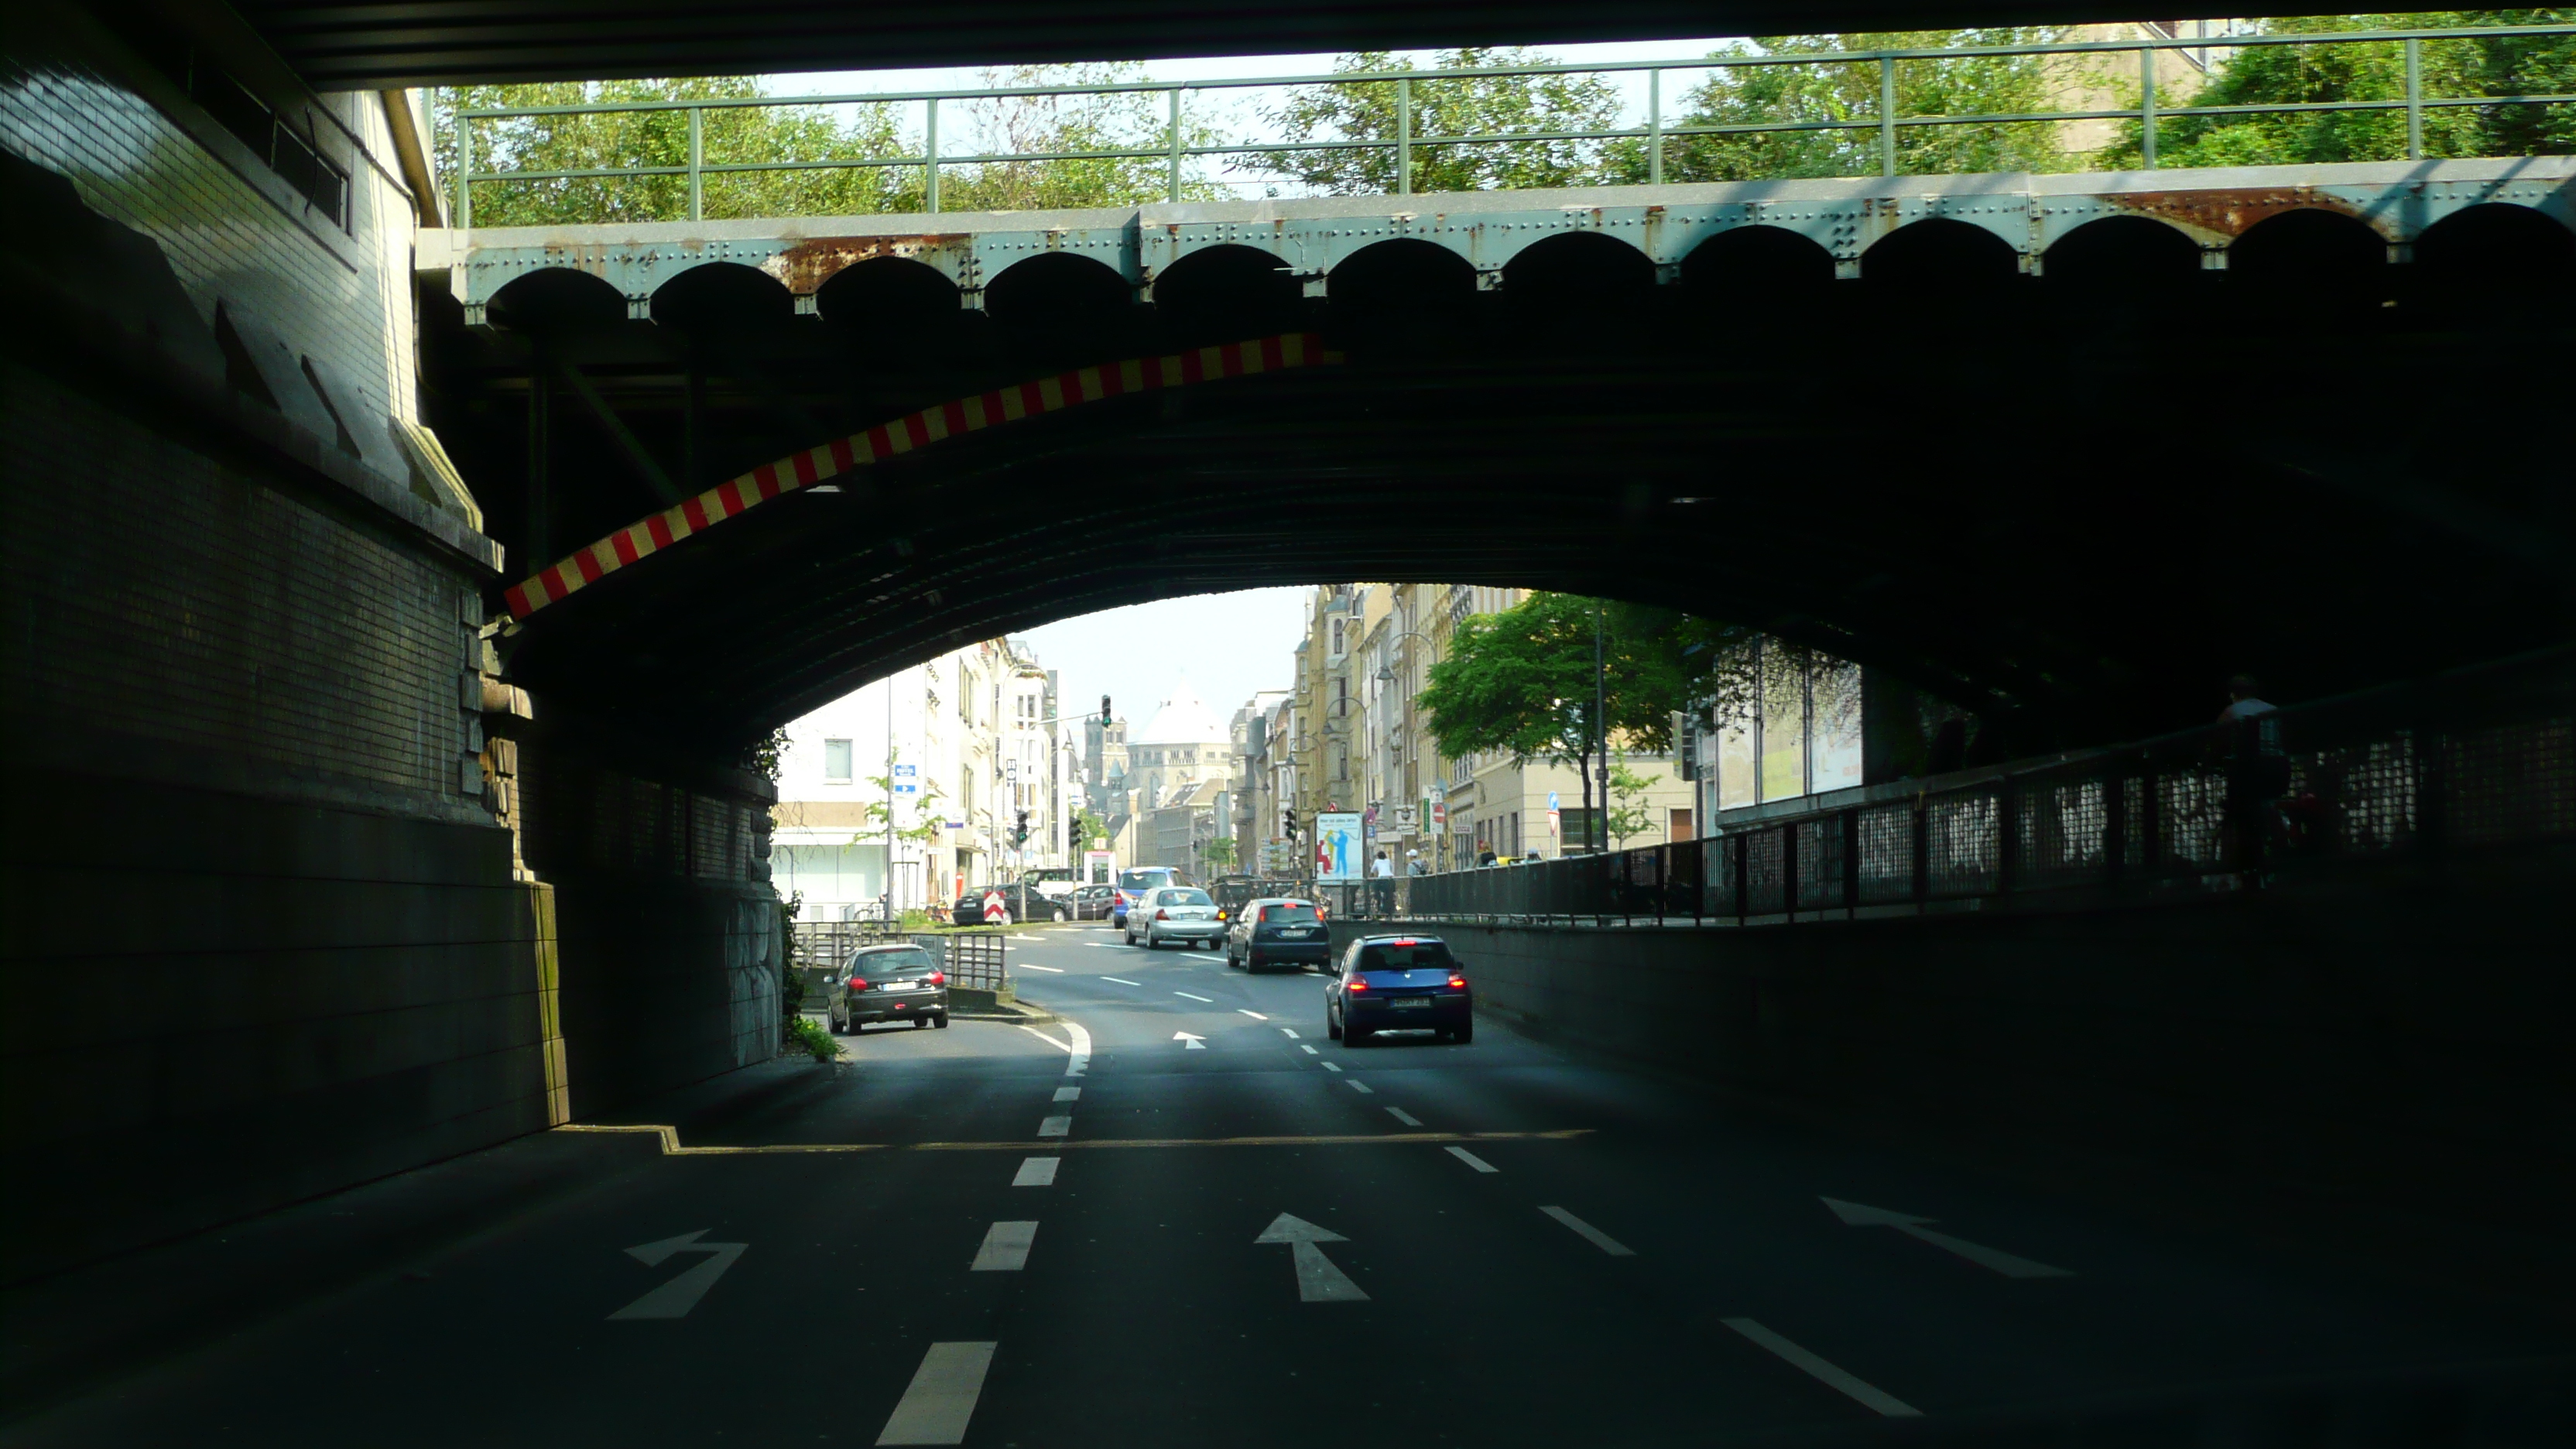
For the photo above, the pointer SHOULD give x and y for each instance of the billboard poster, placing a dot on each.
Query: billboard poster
(1339, 855)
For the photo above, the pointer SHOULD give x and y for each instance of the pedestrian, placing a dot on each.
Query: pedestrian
(1382, 883)
(2258, 772)
(1413, 863)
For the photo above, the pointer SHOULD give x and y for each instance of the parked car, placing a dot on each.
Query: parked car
(1399, 983)
(1277, 931)
(1091, 902)
(894, 982)
(1174, 913)
(1134, 882)
(1017, 905)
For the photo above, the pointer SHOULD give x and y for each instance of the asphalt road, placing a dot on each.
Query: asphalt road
(998, 1235)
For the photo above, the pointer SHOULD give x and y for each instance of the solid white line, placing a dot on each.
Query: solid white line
(1068, 1094)
(1359, 1086)
(1056, 1126)
(1042, 1036)
(1289, 1031)
(1006, 1248)
(1024, 938)
(1246, 1011)
(941, 1398)
(1330, 1066)
(1081, 1060)
(1033, 966)
(1403, 1116)
(1104, 945)
(1589, 1233)
(1037, 1172)
(1210, 1000)
(1122, 981)
(1888, 1404)
(1472, 1160)
(1310, 1051)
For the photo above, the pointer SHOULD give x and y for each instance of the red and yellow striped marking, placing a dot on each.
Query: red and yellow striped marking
(919, 430)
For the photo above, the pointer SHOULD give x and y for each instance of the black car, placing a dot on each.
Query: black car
(894, 982)
(1091, 902)
(1017, 905)
(1399, 983)
(1277, 931)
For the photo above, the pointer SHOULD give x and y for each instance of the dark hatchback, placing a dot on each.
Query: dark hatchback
(897, 982)
(1399, 983)
(1277, 931)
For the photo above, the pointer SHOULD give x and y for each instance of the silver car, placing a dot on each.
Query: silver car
(1184, 915)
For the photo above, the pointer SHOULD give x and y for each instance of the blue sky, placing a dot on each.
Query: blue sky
(1226, 645)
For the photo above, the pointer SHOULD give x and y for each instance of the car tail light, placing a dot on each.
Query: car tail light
(1356, 984)
(1457, 982)
(1264, 918)
(1406, 942)
(858, 983)
(940, 978)
(1162, 915)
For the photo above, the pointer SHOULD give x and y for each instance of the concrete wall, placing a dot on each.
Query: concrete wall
(2398, 1036)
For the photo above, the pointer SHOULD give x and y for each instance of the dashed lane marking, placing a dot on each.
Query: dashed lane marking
(1825, 1373)
(1331, 1066)
(1210, 1000)
(1122, 981)
(669, 1139)
(1310, 1051)
(1289, 1031)
(1362, 1087)
(941, 1397)
(1056, 1126)
(1472, 1160)
(1403, 1116)
(1068, 1094)
(1037, 1172)
(1033, 966)
(1006, 1248)
(1590, 1234)
(1247, 1011)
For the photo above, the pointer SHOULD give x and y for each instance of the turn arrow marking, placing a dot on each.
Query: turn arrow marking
(1189, 1042)
(1860, 1215)
(675, 1298)
(1318, 1281)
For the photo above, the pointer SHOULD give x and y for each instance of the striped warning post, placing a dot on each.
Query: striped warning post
(734, 496)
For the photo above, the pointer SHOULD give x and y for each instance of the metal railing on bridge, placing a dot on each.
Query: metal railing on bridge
(2477, 761)
(972, 959)
(1654, 135)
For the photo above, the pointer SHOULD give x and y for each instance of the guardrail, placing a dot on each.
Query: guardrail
(971, 959)
(1655, 132)
(2469, 763)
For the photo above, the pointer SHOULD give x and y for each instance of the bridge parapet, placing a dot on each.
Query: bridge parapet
(1843, 218)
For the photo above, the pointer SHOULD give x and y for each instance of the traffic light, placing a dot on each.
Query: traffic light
(1073, 833)
(1289, 819)
(1104, 710)
(1021, 835)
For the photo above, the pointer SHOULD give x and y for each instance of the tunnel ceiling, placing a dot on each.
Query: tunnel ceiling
(343, 45)
(2074, 503)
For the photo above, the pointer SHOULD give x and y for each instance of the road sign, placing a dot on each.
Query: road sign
(994, 911)
(1439, 813)
(1555, 818)
(907, 772)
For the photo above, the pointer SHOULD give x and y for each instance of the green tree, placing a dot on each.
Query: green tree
(1087, 828)
(1457, 106)
(1218, 852)
(2297, 74)
(1627, 815)
(1061, 125)
(1848, 91)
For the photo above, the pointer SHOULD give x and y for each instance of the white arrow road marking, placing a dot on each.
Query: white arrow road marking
(1589, 1233)
(1861, 1216)
(1006, 1248)
(1289, 1032)
(1068, 1094)
(1189, 1042)
(1121, 980)
(1318, 1281)
(1403, 1116)
(675, 1298)
(1033, 966)
(1472, 1160)
(1886, 1403)
(941, 1398)
(1056, 1126)
(1359, 1086)
(1208, 999)
(1245, 1011)
(1037, 1172)
(1328, 1066)
(1081, 1038)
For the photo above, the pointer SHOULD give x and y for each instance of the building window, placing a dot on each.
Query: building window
(836, 761)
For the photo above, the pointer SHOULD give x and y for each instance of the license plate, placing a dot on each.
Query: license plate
(898, 986)
(1402, 1003)
(1298, 931)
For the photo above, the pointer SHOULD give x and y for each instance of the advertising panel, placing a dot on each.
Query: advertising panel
(1339, 847)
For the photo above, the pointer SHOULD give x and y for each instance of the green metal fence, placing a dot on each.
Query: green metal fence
(1656, 132)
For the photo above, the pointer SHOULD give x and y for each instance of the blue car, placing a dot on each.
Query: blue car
(1399, 983)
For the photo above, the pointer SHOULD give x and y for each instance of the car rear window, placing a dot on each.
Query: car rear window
(892, 963)
(1408, 956)
(1287, 915)
(1143, 880)
(1186, 897)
